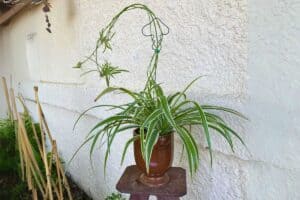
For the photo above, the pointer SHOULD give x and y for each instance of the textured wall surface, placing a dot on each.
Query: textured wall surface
(248, 50)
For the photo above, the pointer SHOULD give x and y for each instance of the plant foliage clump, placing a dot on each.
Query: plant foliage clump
(9, 157)
(114, 196)
(8, 153)
(154, 112)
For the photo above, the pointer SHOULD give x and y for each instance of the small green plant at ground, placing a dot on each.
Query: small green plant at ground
(115, 196)
(8, 153)
(10, 161)
(14, 187)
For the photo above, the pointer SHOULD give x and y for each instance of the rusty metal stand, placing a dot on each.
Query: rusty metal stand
(173, 190)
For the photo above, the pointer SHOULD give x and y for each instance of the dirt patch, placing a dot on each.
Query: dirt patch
(12, 188)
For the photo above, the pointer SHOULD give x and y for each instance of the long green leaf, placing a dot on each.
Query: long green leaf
(105, 91)
(233, 132)
(78, 149)
(194, 146)
(172, 97)
(94, 142)
(111, 137)
(93, 107)
(151, 140)
(229, 110)
(127, 145)
(212, 118)
(186, 88)
(191, 149)
(187, 140)
(223, 132)
(110, 120)
(154, 115)
(205, 127)
(127, 127)
(112, 89)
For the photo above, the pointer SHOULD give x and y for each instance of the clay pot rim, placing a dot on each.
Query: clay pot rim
(136, 132)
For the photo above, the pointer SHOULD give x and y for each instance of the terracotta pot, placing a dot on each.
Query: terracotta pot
(161, 160)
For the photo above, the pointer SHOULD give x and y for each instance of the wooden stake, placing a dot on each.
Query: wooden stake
(57, 170)
(17, 131)
(5, 88)
(43, 145)
(60, 172)
(34, 194)
(38, 183)
(13, 103)
(28, 149)
(65, 180)
(54, 185)
(37, 138)
(22, 101)
(21, 154)
(29, 166)
(55, 189)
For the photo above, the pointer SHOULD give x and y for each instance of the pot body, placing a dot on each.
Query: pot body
(161, 159)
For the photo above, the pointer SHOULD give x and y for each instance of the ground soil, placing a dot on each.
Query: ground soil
(12, 188)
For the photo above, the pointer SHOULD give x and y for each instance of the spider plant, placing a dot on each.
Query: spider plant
(154, 112)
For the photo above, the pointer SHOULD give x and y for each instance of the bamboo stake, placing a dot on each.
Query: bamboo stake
(47, 131)
(34, 194)
(65, 180)
(51, 160)
(29, 165)
(36, 138)
(5, 88)
(13, 103)
(22, 101)
(28, 153)
(57, 170)
(27, 146)
(45, 124)
(43, 145)
(54, 146)
(55, 189)
(32, 165)
(54, 185)
(21, 154)
(17, 132)
(38, 182)
(26, 159)
(23, 149)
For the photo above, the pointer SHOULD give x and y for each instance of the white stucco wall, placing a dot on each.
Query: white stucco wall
(249, 51)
